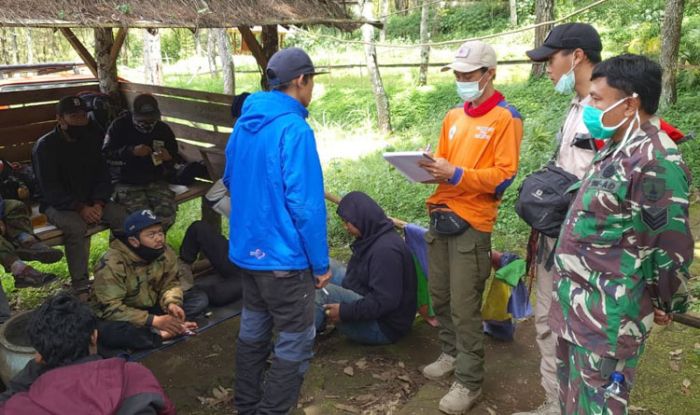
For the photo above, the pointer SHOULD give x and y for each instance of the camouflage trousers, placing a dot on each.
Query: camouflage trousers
(582, 386)
(17, 222)
(155, 196)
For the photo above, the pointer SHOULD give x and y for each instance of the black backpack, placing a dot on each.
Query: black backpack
(544, 199)
(102, 109)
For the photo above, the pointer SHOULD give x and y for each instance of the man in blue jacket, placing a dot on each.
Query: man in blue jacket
(278, 234)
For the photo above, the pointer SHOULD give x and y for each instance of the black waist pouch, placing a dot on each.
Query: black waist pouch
(447, 223)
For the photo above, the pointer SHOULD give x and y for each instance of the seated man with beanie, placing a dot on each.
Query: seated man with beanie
(137, 289)
(144, 150)
(75, 186)
(67, 376)
(374, 300)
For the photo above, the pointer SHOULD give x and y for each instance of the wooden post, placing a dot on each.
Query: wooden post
(106, 69)
(270, 40)
(80, 49)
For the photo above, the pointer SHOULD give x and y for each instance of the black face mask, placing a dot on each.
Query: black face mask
(78, 132)
(145, 127)
(148, 254)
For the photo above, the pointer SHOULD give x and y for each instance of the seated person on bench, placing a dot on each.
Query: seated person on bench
(19, 244)
(69, 377)
(137, 291)
(75, 186)
(201, 237)
(374, 300)
(144, 149)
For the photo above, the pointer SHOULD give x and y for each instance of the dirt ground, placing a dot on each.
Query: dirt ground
(382, 380)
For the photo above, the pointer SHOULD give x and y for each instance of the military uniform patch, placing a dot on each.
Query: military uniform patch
(609, 171)
(655, 217)
(654, 188)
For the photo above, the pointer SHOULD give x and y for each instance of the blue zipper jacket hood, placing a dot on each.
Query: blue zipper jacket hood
(273, 173)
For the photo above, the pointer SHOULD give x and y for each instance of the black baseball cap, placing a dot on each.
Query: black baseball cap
(146, 108)
(567, 36)
(287, 64)
(70, 105)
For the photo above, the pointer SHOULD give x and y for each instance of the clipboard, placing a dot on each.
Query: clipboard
(407, 163)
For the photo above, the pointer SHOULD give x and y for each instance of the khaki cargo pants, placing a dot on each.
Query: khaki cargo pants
(458, 269)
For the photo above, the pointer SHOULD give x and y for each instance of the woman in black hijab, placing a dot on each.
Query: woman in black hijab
(374, 300)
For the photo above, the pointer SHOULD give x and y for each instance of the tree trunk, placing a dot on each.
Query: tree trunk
(544, 11)
(152, 60)
(106, 71)
(15, 47)
(30, 45)
(671, 37)
(380, 97)
(513, 13)
(211, 51)
(424, 38)
(384, 10)
(226, 61)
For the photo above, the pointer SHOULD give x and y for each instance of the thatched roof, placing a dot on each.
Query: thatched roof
(174, 13)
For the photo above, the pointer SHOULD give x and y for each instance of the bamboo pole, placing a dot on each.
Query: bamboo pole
(335, 199)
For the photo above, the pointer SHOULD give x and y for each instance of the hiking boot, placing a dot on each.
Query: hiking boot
(443, 366)
(29, 277)
(39, 252)
(547, 408)
(459, 399)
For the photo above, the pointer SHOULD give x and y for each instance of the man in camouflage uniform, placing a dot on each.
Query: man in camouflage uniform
(18, 244)
(625, 248)
(137, 290)
(142, 151)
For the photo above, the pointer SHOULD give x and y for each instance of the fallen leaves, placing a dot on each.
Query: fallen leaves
(349, 371)
(220, 396)
(685, 387)
(675, 362)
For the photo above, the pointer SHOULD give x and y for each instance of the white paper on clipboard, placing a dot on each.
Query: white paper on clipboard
(407, 163)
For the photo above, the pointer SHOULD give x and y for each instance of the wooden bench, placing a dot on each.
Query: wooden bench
(51, 235)
(201, 122)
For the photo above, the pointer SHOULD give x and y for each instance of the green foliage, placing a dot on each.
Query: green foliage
(405, 27)
(451, 22)
(176, 44)
(472, 19)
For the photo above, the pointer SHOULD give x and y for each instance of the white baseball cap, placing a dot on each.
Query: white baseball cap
(472, 56)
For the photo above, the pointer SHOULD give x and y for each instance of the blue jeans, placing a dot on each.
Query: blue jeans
(364, 332)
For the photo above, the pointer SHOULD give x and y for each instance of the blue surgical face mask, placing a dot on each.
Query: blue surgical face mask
(593, 119)
(567, 82)
(469, 91)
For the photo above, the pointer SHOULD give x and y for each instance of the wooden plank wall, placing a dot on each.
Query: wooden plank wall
(25, 116)
(202, 118)
(199, 119)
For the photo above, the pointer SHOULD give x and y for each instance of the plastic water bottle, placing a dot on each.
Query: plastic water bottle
(614, 388)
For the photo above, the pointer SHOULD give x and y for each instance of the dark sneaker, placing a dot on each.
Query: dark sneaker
(39, 252)
(29, 277)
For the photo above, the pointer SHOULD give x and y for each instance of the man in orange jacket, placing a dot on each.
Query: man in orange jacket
(476, 160)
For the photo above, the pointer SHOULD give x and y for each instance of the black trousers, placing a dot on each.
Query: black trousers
(202, 237)
(116, 336)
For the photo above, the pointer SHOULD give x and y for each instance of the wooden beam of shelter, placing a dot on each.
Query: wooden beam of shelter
(255, 48)
(80, 49)
(117, 46)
